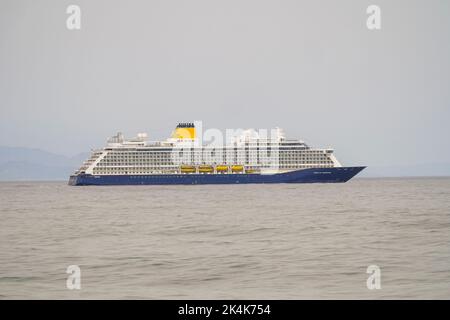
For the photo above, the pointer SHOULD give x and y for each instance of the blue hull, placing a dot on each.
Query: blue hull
(314, 175)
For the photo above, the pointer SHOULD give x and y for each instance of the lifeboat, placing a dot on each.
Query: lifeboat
(188, 169)
(222, 168)
(237, 168)
(205, 169)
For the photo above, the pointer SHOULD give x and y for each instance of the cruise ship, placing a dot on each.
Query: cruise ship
(246, 157)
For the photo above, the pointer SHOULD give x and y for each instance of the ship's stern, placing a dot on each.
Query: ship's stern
(73, 180)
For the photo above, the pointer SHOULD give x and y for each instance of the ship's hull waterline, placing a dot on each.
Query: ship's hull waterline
(311, 175)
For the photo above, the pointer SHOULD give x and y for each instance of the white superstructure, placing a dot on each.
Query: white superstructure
(247, 152)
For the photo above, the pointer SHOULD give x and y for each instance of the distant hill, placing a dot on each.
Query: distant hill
(34, 164)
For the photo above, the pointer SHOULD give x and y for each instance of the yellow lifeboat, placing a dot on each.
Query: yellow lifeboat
(205, 169)
(187, 169)
(222, 168)
(237, 168)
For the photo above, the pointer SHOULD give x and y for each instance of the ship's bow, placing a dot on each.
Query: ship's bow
(323, 175)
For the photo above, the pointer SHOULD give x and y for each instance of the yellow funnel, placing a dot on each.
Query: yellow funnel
(184, 131)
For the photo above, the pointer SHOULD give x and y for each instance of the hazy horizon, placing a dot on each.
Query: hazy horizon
(270, 221)
(379, 98)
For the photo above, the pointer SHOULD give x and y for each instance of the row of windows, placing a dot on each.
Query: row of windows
(229, 161)
(241, 154)
(123, 160)
(208, 151)
(153, 171)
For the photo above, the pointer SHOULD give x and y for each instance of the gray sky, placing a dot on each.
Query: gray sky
(311, 67)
